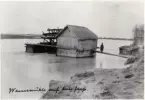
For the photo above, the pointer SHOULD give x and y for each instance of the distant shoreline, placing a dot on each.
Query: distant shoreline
(116, 39)
(20, 36)
(37, 36)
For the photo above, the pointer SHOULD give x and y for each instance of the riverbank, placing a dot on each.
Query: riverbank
(126, 83)
(21, 36)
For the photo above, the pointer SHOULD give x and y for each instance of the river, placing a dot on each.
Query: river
(23, 70)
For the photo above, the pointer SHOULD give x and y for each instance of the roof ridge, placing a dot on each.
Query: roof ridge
(76, 26)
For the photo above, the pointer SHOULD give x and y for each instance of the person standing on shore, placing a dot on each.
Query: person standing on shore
(102, 47)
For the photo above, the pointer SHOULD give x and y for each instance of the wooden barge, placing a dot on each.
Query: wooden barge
(71, 41)
(128, 50)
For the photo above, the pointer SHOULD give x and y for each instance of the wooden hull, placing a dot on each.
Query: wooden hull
(75, 53)
(35, 48)
(59, 51)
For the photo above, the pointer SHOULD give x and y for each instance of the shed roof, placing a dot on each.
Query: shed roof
(81, 33)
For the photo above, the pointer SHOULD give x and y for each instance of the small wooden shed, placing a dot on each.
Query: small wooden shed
(76, 41)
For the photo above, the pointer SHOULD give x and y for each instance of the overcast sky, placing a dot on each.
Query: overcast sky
(110, 19)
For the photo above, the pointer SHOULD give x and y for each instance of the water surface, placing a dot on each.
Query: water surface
(25, 70)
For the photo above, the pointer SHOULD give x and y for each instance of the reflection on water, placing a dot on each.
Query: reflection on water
(24, 70)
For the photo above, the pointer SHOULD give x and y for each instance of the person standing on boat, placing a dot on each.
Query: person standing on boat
(102, 47)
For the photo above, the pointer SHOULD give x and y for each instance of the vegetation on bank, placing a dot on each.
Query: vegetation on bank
(138, 35)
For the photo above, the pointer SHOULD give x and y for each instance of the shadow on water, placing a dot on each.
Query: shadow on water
(65, 67)
(71, 66)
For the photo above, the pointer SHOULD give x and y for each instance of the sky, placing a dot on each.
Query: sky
(105, 19)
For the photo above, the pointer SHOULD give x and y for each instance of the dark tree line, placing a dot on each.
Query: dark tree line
(138, 34)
